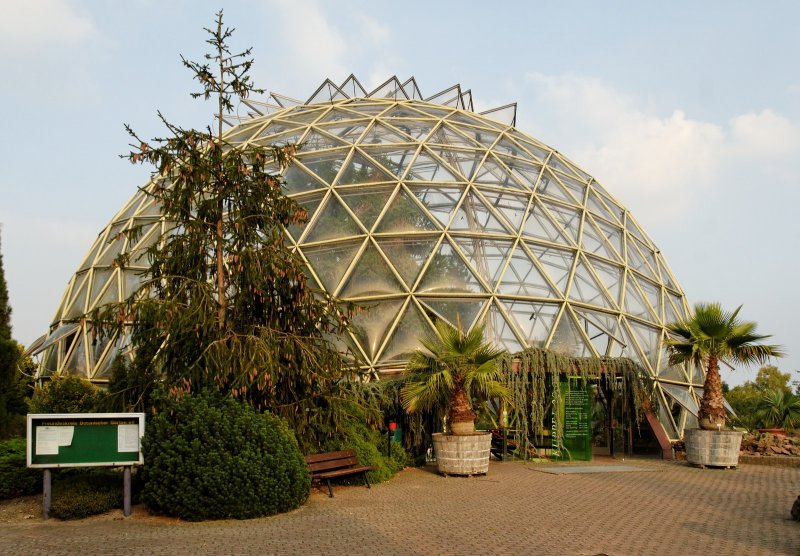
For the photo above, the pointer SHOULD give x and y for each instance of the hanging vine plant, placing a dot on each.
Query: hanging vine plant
(531, 376)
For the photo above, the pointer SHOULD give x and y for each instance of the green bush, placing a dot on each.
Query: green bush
(85, 492)
(210, 457)
(68, 394)
(370, 447)
(15, 478)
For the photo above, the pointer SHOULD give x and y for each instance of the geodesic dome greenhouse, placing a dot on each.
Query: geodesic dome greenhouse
(421, 209)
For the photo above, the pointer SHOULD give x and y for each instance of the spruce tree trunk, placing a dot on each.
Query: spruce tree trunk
(712, 409)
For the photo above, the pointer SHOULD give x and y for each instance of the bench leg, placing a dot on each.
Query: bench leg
(330, 489)
(366, 479)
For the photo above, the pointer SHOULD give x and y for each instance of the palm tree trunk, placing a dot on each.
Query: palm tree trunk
(461, 408)
(712, 409)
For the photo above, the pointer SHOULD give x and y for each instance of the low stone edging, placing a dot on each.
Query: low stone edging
(775, 461)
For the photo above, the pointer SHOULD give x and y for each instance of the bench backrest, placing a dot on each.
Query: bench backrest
(330, 461)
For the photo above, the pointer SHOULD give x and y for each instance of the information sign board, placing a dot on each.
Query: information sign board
(85, 439)
(576, 420)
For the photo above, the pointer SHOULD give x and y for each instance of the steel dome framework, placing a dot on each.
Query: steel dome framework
(421, 209)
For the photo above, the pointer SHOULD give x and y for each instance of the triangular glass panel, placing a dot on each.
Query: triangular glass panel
(523, 279)
(649, 341)
(77, 305)
(366, 202)
(371, 325)
(492, 172)
(574, 187)
(636, 260)
(601, 328)
(538, 225)
(327, 92)
(303, 114)
(670, 372)
(534, 320)
(698, 375)
(282, 139)
(613, 236)
(402, 111)
(132, 282)
(415, 130)
(558, 163)
(509, 205)
(329, 262)
(649, 256)
(297, 180)
(447, 273)
(76, 364)
(332, 222)
(391, 88)
(325, 166)
(433, 110)
(504, 114)
(405, 336)
(652, 294)
(474, 216)
(551, 187)
(440, 201)
(462, 161)
(497, 328)
(462, 117)
(316, 141)
(455, 311)
(371, 276)
(404, 215)
(634, 303)
(275, 129)
(592, 241)
(682, 395)
(407, 255)
(349, 133)
(150, 208)
(352, 87)
(611, 277)
(663, 270)
(381, 134)
(99, 295)
(525, 172)
(507, 146)
(585, 288)
(488, 256)
(445, 135)
(362, 170)
(631, 226)
(596, 206)
(338, 115)
(538, 150)
(568, 218)
(482, 136)
(311, 204)
(567, 338)
(427, 168)
(394, 160)
(117, 238)
(556, 263)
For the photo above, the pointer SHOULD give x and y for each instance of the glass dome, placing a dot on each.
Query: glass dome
(421, 209)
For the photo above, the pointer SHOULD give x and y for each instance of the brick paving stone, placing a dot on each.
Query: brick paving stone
(662, 508)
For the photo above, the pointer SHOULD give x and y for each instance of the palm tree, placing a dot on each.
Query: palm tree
(780, 408)
(458, 370)
(709, 336)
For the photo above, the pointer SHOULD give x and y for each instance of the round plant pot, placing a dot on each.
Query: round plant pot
(713, 448)
(466, 454)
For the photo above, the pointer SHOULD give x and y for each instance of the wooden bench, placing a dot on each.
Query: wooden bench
(330, 465)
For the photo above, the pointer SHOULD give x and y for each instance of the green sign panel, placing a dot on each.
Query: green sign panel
(575, 418)
(85, 439)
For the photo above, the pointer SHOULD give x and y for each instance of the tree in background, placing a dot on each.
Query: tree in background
(14, 388)
(225, 304)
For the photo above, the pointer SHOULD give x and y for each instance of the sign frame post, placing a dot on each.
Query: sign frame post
(62, 440)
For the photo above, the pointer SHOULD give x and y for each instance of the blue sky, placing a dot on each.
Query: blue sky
(689, 115)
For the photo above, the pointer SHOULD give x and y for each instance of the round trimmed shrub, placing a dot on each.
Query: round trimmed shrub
(212, 457)
(67, 394)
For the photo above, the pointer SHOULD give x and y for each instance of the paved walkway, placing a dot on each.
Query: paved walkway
(659, 508)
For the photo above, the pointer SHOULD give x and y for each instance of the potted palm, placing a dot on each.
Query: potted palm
(710, 336)
(456, 371)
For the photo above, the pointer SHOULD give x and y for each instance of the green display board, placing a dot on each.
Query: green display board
(85, 439)
(575, 418)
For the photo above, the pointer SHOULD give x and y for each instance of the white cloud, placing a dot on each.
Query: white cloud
(653, 163)
(39, 23)
(313, 46)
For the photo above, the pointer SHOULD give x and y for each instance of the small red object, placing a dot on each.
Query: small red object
(392, 426)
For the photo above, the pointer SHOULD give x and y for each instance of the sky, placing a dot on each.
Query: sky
(687, 112)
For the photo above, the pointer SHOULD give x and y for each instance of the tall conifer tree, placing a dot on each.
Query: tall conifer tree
(225, 303)
(9, 356)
